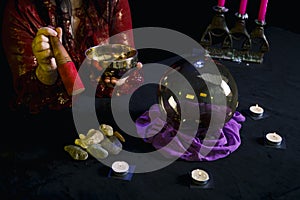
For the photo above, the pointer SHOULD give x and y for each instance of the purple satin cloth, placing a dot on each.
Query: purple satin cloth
(185, 143)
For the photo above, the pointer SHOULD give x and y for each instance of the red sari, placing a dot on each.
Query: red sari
(99, 20)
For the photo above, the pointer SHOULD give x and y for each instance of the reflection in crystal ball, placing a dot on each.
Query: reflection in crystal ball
(209, 90)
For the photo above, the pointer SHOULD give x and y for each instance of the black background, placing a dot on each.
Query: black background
(192, 17)
(38, 168)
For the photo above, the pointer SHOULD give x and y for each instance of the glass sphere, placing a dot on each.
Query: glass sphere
(200, 84)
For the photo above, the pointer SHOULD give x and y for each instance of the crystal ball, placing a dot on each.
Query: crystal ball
(198, 90)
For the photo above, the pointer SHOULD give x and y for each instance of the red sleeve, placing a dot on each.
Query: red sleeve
(121, 23)
(20, 24)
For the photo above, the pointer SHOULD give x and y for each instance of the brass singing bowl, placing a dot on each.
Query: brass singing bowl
(116, 56)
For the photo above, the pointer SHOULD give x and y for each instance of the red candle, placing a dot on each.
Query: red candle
(243, 6)
(262, 10)
(221, 3)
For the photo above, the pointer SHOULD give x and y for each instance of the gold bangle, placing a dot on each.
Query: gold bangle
(46, 77)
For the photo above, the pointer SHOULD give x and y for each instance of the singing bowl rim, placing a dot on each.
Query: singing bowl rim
(113, 59)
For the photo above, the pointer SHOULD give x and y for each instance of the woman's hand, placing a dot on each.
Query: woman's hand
(42, 50)
(47, 67)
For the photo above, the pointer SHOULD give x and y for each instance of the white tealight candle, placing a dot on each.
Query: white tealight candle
(256, 110)
(120, 167)
(200, 176)
(274, 138)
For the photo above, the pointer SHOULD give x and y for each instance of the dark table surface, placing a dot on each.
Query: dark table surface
(34, 164)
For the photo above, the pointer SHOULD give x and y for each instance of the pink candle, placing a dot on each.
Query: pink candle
(243, 6)
(221, 3)
(262, 10)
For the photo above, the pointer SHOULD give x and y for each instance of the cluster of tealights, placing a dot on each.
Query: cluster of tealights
(201, 177)
(271, 138)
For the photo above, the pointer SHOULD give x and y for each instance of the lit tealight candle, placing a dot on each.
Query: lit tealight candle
(120, 167)
(256, 110)
(200, 176)
(274, 138)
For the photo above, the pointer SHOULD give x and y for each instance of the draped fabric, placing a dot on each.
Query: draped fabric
(187, 143)
(99, 20)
